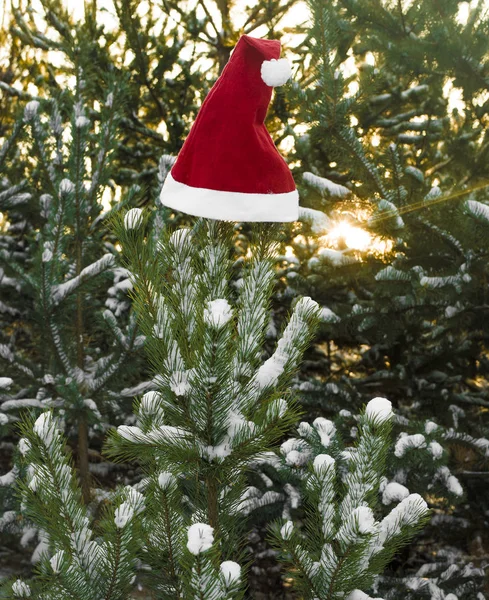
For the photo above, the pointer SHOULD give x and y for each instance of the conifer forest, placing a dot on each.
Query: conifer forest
(203, 409)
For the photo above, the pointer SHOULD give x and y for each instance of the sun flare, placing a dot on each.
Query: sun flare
(354, 238)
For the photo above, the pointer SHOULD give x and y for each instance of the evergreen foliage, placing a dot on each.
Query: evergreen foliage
(168, 53)
(65, 345)
(392, 243)
(77, 561)
(218, 409)
(385, 128)
(340, 546)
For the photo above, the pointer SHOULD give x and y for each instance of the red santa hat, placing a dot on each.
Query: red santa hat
(229, 167)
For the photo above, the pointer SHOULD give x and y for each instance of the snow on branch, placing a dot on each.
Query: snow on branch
(51, 483)
(346, 547)
(409, 94)
(328, 316)
(326, 186)
(22, 403)
(318, 221)
(14, 195)
(392, 274)
(289, 347)
(61, 291)
(110, 319)
(10, 357)
(478, 210)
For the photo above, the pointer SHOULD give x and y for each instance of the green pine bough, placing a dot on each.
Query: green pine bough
(340, 545)
(218, 409)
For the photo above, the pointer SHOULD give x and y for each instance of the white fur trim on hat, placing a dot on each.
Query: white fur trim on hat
(230, 206)
(276, 72)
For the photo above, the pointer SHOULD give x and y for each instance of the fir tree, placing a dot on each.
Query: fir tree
(215, 408)
(168, 54)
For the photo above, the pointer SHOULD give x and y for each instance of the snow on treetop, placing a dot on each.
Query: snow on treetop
(179, 237)
(47, 254)
(30, 110)
(435, 449)
(165, 480)
(123, 514)
(218, 313)
(286, 530)
(150, 402)
(200, 538)
(45, 428)
(24, 446)
(430, 427)
(322, 463)
(297, 452)
(306, 304)
(82, 121)
(130, 432)
(326, 430)
(365, 518)
(66, 186)
(20, 589)
(231, 572)
(328, 316)
(416, 440)
(56, 561)
(133, 219)
(379, 410)
(394, 492)
(134, 498)
(179, 382)
(304, 429)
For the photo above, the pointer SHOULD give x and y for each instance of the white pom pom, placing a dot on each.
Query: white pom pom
(276, 72)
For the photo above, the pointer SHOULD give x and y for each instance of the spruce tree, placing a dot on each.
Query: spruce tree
(394, 185)
(72, 363)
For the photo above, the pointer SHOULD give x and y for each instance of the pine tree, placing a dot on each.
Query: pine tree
(74, 564)
(342, 547)
(215, 408)
(384, 151)
(161, 67)
(219, 409)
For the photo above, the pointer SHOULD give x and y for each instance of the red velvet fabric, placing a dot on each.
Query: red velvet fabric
(229, 147)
